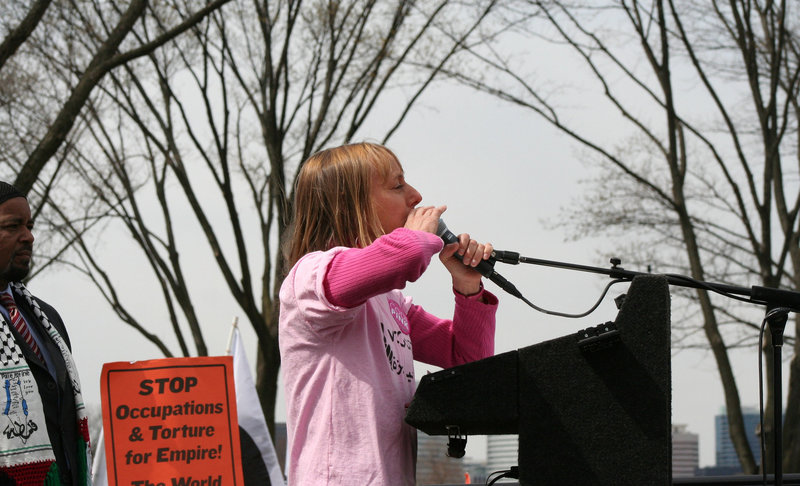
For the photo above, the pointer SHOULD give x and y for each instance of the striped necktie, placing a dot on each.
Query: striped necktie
(19, 322)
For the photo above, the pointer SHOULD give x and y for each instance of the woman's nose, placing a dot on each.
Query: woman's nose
(414, 197)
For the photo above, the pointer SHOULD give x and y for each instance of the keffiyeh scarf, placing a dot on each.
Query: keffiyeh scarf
(26, 454)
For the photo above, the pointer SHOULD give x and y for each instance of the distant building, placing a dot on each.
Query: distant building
(719, 471)
(433, 464)
(478, 473)
(502, 452)
(685, 452)
(726, 454)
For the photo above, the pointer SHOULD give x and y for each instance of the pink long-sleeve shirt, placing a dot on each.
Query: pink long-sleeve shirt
(348, 338)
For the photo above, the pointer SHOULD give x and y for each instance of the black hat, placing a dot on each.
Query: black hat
(7, 191)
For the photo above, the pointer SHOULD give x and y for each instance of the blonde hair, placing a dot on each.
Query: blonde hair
(332, 203)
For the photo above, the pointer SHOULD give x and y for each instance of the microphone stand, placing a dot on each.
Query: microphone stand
(776, 319)
(780, 301)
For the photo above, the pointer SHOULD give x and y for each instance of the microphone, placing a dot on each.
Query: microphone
(485, 268)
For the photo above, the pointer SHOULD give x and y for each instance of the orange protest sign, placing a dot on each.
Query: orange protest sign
(171, 422)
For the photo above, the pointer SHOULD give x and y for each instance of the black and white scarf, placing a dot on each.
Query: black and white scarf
(26, 454)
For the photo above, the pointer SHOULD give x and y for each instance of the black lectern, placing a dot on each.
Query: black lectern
(589, 408)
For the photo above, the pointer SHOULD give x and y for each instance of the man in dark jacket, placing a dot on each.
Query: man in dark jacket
(44, 435)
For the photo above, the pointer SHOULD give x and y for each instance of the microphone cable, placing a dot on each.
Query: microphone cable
(512, 473)
(575, 316)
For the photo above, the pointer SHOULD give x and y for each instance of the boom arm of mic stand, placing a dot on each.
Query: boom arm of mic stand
(768, 296)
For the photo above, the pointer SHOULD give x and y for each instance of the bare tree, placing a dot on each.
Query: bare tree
(708, 180)
(17, 35)
(102, 51)
(216, 124)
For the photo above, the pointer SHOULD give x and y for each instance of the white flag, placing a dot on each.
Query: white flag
(99, 475)
(259, 459)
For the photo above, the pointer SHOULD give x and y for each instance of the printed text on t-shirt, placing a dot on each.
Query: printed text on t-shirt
(392, 341)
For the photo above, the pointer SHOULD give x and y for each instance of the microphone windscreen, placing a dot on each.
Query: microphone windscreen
(445, 234)
(441, 229)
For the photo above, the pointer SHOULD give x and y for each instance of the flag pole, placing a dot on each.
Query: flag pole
(234, 325)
